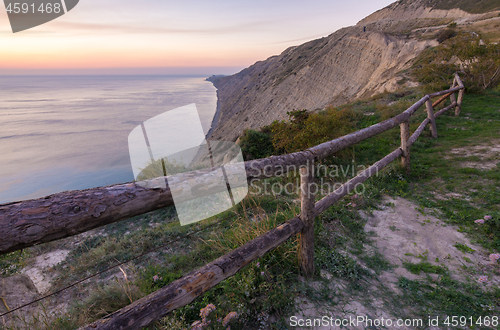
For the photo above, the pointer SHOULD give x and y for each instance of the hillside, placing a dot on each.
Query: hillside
(408, 247)
(432, 9)
(470, 6)
(405, 246)
(348, 64)
(354, 62)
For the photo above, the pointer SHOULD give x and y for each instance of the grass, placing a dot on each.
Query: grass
(13, 262)
(436, 171)
(425, 267)
(446, 296)
(464, 248)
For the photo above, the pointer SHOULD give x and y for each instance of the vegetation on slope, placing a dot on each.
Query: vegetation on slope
(265, 293)
(470, 6)
(477, 60)
(462, 187)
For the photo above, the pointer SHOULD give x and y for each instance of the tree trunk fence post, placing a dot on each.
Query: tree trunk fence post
(459, 102)
(453, 98)
(460, 95)
(430, 115)
(307, 215)
(405, 146)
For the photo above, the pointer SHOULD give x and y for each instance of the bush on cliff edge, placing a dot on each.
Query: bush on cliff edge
(478, 62)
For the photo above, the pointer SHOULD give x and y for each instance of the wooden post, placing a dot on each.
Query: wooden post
(459, 102)
(307, 215)
(405, 146)
(430, 115)
(452, 96)
(460, 94)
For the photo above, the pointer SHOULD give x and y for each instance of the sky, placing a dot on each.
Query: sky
(171, 37)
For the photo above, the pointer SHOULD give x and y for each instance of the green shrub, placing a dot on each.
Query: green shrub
(305, 130)
(445, 35)
(256, 145)
(478, 62)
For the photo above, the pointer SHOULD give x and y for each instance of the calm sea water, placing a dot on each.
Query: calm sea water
(62, 133)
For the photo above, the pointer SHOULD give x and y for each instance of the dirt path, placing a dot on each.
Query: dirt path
(407, 233)
(402, 232)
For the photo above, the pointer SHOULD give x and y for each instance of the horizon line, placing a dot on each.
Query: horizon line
(149, 71)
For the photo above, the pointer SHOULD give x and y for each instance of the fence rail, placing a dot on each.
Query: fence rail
(32, 222)
(27, 223)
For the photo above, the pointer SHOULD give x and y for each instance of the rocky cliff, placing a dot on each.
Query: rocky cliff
(350, 63)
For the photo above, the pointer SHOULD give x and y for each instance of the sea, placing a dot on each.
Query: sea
(60, 133)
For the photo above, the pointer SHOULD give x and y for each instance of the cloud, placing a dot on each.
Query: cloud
(134, 28)
(299, 40)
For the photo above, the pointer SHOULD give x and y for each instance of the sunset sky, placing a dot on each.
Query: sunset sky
(148, 36)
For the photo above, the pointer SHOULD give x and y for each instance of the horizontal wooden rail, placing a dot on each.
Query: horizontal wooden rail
(444, 97)
(419, 131)
(440, 112)
(349, 186)
(27, 223)
(65, 214)
(452, 90)
(181, 292)
(328, 148)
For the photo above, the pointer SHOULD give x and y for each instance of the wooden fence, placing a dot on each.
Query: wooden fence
(28, 223)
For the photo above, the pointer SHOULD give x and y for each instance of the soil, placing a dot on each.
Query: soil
(401, 232)
(32, 283)
(40, 271)
(489, 155)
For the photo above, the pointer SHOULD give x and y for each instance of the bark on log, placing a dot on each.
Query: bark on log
(31, 222)
(307, 215)
(276, 165)
(349, 186)
(181, 292)
(65, 214)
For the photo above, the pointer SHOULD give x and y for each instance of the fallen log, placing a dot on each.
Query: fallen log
(65, 214)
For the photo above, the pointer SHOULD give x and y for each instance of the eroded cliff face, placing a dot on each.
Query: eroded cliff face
(409, 10)
(326, 72)
(353, 62)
